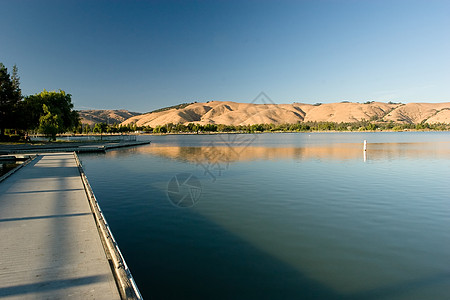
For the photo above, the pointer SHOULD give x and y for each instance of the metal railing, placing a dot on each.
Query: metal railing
(125, 282)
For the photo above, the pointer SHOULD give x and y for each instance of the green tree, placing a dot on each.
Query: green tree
(49, 123)
(58, 103)
(78, 129)
(210, 127)
(371, 126)
(86, 128)
(16, 79)
(100, 128)
(10, 96)
(160, 129)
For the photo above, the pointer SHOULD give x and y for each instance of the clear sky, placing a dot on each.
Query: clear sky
(143, 55)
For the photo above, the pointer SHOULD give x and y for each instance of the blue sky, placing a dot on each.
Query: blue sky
(143, 55)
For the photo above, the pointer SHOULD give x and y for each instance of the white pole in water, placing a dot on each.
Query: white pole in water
(365, 150)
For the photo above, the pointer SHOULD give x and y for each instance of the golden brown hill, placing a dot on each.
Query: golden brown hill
(93, 117)
(233, 113)
(414, 113)
(442, 116)
(349, 112)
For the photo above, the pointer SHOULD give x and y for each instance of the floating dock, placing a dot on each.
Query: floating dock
(53, 244)
(70, 147)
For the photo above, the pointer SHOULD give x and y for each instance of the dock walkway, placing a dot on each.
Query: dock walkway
(79, 147)
(50, 247)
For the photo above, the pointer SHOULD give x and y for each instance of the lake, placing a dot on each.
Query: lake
(282, 215)
(5, 167)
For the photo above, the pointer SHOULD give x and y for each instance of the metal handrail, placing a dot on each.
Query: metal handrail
(127, 286)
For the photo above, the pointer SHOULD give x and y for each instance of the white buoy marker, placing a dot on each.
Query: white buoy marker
(365, 151)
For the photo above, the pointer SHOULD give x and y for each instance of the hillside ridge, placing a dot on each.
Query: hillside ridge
(108, 116)
(235, 113)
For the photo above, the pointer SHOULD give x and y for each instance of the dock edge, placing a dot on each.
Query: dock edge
(30, 159)
(122, 274)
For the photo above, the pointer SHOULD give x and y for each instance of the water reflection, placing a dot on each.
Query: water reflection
(344, 151)
(316, 214)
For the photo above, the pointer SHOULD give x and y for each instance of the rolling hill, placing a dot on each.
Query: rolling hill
(233, 113)
(93, 117)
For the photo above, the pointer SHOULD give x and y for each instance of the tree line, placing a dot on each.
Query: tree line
(287, 127)
(47, 112)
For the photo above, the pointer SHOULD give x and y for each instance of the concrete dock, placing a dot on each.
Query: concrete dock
(50, 247)
(79, 147)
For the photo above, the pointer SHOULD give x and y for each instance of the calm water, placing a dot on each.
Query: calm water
(5, 167)
(282, 216)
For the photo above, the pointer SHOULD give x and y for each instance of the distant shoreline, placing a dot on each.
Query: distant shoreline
(234, 132)
(110, 137)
